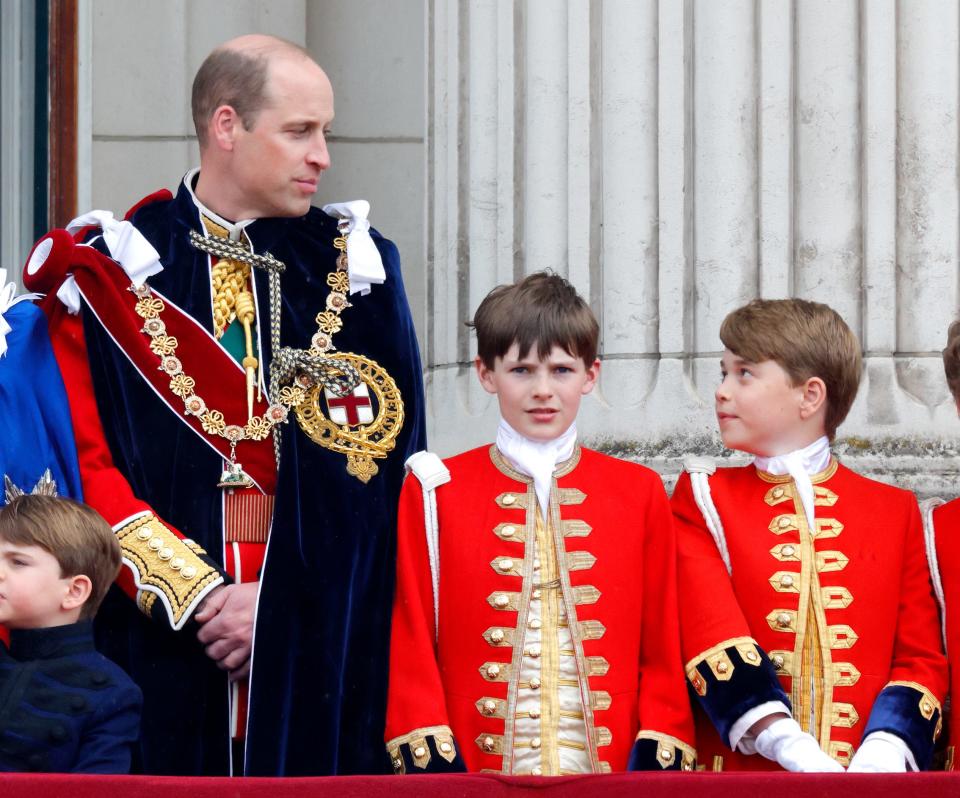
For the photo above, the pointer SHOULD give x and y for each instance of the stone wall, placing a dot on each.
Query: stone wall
(677, 158)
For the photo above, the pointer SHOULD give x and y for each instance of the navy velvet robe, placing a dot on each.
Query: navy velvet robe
(318, 682)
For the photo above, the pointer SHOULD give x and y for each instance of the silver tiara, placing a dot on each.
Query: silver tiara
(46, 486)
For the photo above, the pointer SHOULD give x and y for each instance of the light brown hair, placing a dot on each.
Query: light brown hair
(77, 535)
(238, 78)
(542, 310)
(807, 339)
(951, 359)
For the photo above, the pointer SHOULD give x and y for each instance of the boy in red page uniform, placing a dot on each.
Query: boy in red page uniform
(942, 528)
(821, 568)
(536, 632)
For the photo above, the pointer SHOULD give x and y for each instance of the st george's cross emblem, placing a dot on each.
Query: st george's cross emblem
(353, 409)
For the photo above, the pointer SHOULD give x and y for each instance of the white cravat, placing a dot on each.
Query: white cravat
(364, 264)
(536, 459)
(9, 298)
(800, 464)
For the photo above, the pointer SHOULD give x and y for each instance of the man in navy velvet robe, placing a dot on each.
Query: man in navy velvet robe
(261, 579)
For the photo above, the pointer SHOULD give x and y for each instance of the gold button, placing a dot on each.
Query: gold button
(686, 766)
(783, 619)
(506, 564)
(784, 522)
(535, 742)
(927, 707)
(778, 662)
(188, 572)
(165, 553)
(535, 713)
(535, 683)
(752, 656)
(445, 748)
(722, 667)
(144, 533)
(488, 744)
(501, 600)
(397, 764)
(777, 493)
(536, 594)
(535, 623)
(156, 544)
(537, 771)
(534, 651)
(665, 755)
(508, 531)
(489, 707)
(787, 551)
(497, 635)
(786, 580)
(177, 563)
(509, 499)
(493, 671)
(419, 751)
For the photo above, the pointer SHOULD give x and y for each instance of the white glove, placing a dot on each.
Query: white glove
(784, 742)
(880, 753)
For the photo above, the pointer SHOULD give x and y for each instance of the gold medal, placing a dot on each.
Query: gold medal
(362, 426)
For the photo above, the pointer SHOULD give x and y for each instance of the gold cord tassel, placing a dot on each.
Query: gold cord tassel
(246, 314)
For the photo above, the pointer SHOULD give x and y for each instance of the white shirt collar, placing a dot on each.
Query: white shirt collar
(801, 464)
(537, 459)
(234, 229)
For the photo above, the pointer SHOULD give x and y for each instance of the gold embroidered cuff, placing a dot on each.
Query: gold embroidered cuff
(668, 747)
(720, 663)
(419, 750)
(165, 567)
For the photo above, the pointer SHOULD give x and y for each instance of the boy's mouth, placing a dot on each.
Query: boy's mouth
(543, 413)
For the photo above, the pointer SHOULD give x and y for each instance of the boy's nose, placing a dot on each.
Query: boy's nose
(542, 386)
(721, 394)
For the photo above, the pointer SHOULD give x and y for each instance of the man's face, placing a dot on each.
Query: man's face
(539, 398)
(276, 165)
(32, 590)
(758, 408)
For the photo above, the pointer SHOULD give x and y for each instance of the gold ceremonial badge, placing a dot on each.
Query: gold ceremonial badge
(351, 424)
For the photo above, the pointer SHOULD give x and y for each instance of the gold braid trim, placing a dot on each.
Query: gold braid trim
(667, 746)
(165, 567)
(228, 278)
(927, 704)
(720, 663)
(419, 750)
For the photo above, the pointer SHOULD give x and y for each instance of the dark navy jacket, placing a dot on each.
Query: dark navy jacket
(64, 708)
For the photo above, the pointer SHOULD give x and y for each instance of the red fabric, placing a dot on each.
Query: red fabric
(946, 521)
(631, 537)
(874, 550)
(618, 785)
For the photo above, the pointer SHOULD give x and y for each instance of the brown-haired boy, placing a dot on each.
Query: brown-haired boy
(942, 528)
(534, 624)
(801, 558)
(63, 706)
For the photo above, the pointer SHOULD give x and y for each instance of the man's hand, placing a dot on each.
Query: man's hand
(226, 627)
(784, 742)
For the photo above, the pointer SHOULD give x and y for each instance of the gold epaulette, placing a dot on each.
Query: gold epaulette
(165, 567)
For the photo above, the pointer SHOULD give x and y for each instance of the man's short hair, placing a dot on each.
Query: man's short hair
(951, 360)
(541, 310)
(807, 339)
(77, 535)
(234, 77)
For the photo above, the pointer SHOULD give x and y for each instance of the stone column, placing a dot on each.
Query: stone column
(676, 158)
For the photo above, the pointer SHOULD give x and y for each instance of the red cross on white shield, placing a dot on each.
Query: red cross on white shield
(353, 409)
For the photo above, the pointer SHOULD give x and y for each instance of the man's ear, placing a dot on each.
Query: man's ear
(485, 375)
(79, 588)
(813, 397)
(225, 124)
(593, 374)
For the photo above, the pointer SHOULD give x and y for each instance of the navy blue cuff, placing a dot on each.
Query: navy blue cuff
(426, 753)
(913, 714)
(732, 678)
(653, 751)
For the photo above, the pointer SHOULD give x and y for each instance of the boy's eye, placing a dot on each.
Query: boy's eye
(519, 370)
(746, 373)
(19, 562)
